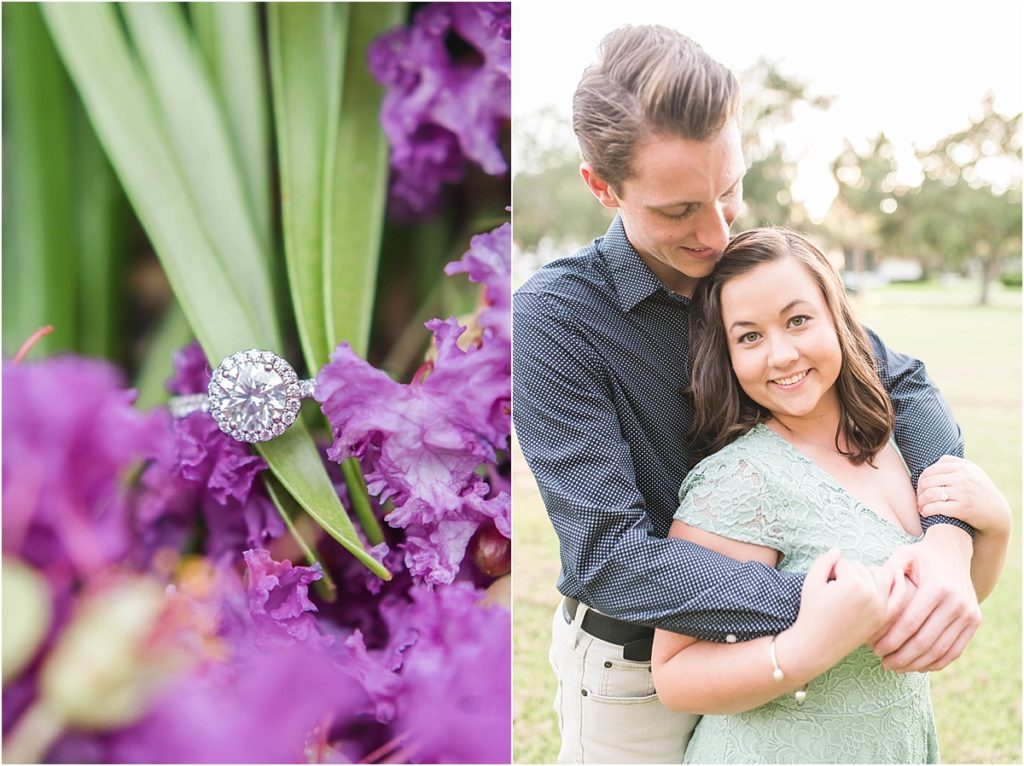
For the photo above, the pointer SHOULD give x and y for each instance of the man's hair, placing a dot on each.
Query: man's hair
(648, 81)
(722, 410)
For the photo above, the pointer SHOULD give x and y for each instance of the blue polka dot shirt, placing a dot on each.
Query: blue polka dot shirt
(600, 359)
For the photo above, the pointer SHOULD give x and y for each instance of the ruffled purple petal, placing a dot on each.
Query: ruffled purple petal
(489, 262)
(65, 508)
(258, 709)
(191, 371)
(448, 97)
(202, 472)
(456, 678)
(279, 599)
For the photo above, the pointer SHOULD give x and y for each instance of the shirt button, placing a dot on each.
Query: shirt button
(730, 639)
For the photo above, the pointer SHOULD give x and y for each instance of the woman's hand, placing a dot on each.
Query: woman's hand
(843, 605)
(970, 495)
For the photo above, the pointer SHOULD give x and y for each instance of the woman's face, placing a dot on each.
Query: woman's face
(782, 340)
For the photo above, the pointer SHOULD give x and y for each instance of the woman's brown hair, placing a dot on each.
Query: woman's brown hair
(722, 411)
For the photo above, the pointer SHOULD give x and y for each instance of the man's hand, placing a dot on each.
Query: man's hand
(942, 614)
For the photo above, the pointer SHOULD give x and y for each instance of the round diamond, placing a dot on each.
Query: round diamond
(248, 399)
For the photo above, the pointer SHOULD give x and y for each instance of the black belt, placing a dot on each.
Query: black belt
(635, 640)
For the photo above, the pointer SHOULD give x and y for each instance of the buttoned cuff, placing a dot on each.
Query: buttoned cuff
(928, 521)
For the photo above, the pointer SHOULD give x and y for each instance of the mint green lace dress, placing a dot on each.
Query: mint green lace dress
(761, 490)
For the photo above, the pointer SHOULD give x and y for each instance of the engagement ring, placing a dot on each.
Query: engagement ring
(253, 395)
(944, 496)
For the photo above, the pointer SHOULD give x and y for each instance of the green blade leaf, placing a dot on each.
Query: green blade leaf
(172, 333)
(117, 98)
(355, 200)
(359, 498)
(305, 47)
(40, 257)
(230, 36)
(101, 218)
(196, 130)
(295, 462)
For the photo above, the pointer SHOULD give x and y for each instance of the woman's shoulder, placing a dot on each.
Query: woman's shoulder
(750, 456)
(758, 447)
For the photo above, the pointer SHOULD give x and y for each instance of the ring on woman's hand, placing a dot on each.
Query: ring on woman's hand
(253, 395)
(944, 497)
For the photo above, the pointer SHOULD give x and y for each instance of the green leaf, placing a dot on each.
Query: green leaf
(171, 334)
(305, 48)
(229, 34)
(39, 264)
(359, 497)
(101, 218)
(355, 199)
(118, 100)
(295, 461)
(127, 122)
(194, 125)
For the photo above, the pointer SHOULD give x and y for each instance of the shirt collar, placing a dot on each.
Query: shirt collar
(634, 282)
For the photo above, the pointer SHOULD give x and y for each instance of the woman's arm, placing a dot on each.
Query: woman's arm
(959, 488)
(843, 605)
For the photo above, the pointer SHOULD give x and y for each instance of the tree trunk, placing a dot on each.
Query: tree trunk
(988, 268)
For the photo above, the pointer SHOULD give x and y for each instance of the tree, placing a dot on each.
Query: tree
(548, 195)
(967, 211)
(860, 216)
(771, 101)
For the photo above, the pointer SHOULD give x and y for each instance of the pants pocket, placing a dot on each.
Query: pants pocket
(636, 729)
(621, 678)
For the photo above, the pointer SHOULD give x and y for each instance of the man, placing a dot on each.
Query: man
(601, 364)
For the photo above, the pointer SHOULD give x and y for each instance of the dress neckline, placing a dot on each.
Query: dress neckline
(835, 483)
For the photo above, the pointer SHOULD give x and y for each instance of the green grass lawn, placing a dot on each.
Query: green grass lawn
(974, 354)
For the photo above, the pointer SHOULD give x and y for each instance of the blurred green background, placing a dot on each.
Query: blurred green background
(906, 168)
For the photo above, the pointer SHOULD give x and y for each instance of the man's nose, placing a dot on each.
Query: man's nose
(714, 227)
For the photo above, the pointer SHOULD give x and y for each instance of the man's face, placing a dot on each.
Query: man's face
(678, 205)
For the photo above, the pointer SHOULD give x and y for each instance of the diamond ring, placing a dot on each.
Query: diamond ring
(944, 496)
(253, 395)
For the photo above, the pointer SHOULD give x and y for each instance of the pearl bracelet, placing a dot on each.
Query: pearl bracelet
(800, 694)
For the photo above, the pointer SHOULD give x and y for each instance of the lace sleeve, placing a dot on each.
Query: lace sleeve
(729, 496)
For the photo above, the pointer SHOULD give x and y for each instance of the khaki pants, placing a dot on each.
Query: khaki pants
(607, 709)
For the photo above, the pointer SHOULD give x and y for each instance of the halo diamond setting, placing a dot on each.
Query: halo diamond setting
(255, 395)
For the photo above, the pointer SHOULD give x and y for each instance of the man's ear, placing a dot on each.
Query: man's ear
(598, 186)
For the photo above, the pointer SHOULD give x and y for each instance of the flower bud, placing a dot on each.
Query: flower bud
(27, 613)
(108, 663)
(491, 551)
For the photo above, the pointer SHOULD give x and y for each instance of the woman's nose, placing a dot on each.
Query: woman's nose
(783, 352)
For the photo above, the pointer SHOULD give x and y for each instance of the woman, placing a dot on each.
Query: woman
(798, 431)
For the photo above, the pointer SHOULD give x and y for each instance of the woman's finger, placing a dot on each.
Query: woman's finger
(946, 508)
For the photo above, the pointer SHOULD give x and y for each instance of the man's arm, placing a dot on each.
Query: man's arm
(611, 559)
(925, 428)
(943, 614)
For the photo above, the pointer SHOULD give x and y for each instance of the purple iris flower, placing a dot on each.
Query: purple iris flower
(64, 460)
(448, 97)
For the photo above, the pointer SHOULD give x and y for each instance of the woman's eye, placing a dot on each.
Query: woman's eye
(798, 321)
(750, 337)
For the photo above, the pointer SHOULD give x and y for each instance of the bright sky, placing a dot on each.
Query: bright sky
(914, 69)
